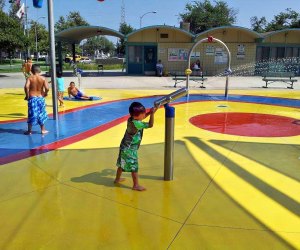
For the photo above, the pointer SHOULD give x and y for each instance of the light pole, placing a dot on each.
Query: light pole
(36, 39)
(141, 17)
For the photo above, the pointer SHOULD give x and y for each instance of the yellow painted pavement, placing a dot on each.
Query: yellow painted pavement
(228, 192)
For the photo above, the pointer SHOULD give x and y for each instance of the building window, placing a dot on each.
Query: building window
(135, 54)
(289, 52)
(262, 53)
(280, 52)
(296, 52)
(164, 35)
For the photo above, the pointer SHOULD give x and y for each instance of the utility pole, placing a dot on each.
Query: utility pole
(123, 12)
(36, 37)
(26, 27)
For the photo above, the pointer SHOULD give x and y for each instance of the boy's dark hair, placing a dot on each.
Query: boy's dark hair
(35, 69)
(136, 108)
(59, 74)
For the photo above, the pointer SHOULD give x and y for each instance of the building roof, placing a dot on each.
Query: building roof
(158, 27)
(254, 33)
(272, 33)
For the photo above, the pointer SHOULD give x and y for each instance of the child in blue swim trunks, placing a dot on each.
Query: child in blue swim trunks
(36, 89)
(76, 93)
(128, 158)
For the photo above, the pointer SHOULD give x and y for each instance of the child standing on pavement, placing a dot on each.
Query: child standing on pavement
(60, 82)
(128, 159)
(36, 89)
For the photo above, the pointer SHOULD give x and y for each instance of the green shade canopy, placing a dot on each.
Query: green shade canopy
(77, 34)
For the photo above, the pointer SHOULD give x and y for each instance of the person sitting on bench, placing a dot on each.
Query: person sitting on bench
(76, 93)
(159, 68)
(196, 66)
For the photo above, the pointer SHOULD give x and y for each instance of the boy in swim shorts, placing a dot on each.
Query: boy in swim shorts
(76, 93)
(128, 158)
(26, 68)
(36, 89)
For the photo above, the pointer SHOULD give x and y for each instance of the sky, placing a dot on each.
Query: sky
(108, 12)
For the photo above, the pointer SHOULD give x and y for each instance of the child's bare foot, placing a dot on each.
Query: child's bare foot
(138, 188)
(119, 180)
(27, 133)
(44, 132)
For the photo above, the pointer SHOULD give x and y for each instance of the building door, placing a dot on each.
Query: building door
(135, 60)
(150, 59)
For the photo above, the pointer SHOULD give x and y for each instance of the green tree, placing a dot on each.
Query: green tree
(39, 31)
(2, 4)
(203, 15)
(124, 29)
(100, 43)
(72, 20)
(284, 20)
(11, 34)
(258, 24)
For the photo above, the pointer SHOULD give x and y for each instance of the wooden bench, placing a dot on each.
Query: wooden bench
(199, 78)
(287, 77)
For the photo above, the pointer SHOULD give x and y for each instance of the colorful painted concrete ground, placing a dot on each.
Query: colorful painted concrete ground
(236, 174)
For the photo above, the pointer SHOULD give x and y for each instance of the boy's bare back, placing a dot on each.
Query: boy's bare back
(36, 85)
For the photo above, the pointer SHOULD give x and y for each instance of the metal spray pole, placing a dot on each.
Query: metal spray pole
(169, 129)
(169, 143)
(53, 58)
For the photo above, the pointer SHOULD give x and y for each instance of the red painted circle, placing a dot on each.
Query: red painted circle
(248, 124)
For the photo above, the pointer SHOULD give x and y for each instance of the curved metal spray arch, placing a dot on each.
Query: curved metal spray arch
(210, 39)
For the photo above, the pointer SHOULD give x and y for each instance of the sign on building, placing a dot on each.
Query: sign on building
(221, 56)
(176, 54)
(240, 51)
(210, 50)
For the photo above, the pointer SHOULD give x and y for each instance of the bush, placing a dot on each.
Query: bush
(91, 66)
(13, 61)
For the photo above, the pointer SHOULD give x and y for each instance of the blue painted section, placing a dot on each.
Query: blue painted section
(13, 140)
(170, 111)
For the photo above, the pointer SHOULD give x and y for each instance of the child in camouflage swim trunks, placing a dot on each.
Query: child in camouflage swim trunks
(128, 158)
